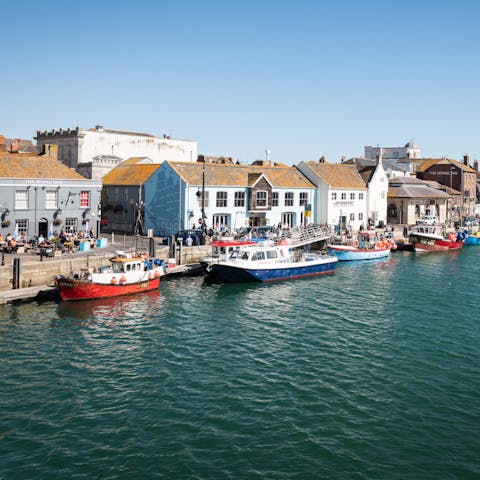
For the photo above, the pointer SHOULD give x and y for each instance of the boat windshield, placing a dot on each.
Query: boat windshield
(117, 267)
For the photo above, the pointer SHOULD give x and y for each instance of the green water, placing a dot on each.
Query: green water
(372, 372)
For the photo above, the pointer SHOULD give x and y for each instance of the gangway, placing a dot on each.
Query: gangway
(309, 234)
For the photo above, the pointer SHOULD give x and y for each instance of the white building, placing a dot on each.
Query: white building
(95, 151)
(409, 151)
(342, 195)
(235, 196)
(376, 180)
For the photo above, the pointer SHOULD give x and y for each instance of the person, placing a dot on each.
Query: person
(189, 241)
(41, 239)
(90, 233)
(405, 231)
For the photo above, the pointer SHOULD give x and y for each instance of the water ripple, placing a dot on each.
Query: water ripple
(372, 372)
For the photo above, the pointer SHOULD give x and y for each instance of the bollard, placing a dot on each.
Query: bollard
(3, 259)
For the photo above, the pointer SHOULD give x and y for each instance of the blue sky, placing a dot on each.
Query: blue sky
(300, 78)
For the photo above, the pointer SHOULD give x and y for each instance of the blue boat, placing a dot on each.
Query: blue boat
(367, 246)
(472, 240)
(268, 262)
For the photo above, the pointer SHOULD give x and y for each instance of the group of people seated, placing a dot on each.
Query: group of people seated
(65, 241)
(9, 244)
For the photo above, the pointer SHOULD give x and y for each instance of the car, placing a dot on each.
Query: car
(428, 220)
(470, 222)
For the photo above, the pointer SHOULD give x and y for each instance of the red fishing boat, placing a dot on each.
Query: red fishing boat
(427, 238)
(127, 274)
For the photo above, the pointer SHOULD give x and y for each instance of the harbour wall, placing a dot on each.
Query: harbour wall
(35, 273)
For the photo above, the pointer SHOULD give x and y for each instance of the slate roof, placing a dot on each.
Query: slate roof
(127, 173)
(338, 175)
(27, 165)
(412, 187)
(239, 175)
(388, 164)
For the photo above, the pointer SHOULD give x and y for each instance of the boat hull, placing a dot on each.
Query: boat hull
(232, 273)
(449, 244)
(473, 240)
(72, 289)
(351, 254)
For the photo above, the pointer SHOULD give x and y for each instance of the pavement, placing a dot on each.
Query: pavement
(122, 242)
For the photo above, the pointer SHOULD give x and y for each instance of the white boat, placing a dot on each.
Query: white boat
(269, 261)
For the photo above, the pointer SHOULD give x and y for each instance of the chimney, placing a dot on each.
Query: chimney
(466, 160)
(475, 165)
(379, 156)
(3, 144)
(14, 146)
(343, 158)
(322, 159)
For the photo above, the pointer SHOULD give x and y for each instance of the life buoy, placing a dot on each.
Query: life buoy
(355, 243)
(113, 281)
(123, 279)
(156, 274)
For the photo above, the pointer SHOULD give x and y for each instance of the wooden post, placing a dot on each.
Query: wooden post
(17, 266)
(151, 249)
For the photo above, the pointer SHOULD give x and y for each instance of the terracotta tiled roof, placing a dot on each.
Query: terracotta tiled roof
(427, 163)
(26, 165)
(367, 172)
(338, 175)
(130, 174)
(238, 175)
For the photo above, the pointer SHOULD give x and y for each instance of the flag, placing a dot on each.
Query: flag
(50, 230)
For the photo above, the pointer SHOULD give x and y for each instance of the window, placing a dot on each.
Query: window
(360, 216)
(51, 199)
(22, 226)
(71, 225)
(289, 199)
(352, 196)
(344, 196)
(125, 194)
(221, 199)
(116, 193)
(334, 195)
(258, 256)
(274, 199)
(360, 196)
(21, 200)
(239, 199)
(352, 217)
(271, 254)
(199, 196)
(84, 198)
(303, 198)
(261, 197)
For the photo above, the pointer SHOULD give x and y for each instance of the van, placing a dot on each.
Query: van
(428, 220)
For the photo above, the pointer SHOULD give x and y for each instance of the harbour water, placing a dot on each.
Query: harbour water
(370, 373)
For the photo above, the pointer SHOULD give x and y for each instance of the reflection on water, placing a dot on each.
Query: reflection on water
(115, 308)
